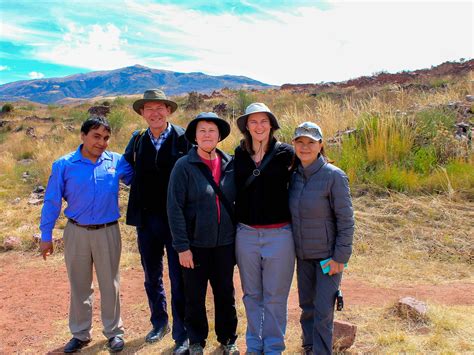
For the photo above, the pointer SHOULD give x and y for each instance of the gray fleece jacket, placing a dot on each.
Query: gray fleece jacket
(192, 208)
(322, 214)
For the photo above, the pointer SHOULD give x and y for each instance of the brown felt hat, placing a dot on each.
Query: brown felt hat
(154, 95)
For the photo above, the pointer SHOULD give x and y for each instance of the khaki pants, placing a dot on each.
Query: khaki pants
(101, 248)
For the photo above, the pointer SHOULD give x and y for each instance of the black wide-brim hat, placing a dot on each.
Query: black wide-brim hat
(222, 126)
(154, 95)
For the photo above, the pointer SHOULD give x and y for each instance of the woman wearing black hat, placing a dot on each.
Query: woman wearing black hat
(264, 242)
(200, 211)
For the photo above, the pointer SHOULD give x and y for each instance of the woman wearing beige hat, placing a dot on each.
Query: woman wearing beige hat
(323, 227)
(264, 241)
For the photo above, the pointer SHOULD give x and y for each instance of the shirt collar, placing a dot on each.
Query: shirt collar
(313, 168)
(163, 134)
(78, 156)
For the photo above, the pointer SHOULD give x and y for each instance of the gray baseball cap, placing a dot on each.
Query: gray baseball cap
(310, 130)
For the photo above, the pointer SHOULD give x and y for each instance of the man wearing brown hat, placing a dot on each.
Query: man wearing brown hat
(153, 153)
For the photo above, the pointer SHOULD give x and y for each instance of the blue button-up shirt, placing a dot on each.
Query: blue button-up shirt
(90, 190)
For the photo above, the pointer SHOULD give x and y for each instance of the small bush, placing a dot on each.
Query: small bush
(396, 178)
(447, 147)
(78, 116)
(242, 100)
(119, 101)
(428, 122)
(7, 108)
(116, 119)
(424, 160)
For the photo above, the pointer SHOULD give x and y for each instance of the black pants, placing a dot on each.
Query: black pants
(153, 238)
(215, 265)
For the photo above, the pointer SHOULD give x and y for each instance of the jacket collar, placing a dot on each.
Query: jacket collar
(78, 156)
(194, 157)
(313, 168)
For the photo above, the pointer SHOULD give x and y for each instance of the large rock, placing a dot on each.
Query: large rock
(344, 335)
(412, 309)
(11, 242)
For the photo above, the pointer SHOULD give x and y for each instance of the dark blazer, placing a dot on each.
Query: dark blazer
(149, 187)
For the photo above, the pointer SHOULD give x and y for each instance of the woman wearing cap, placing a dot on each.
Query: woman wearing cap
(200, 209)
(323, 227)
(264, 242)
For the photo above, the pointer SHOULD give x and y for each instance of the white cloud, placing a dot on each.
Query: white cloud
(36, 75)
(95, 47)
(4, 67)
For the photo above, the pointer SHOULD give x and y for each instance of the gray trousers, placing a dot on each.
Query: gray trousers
(266, 260)
(101, 248)
(317, 295)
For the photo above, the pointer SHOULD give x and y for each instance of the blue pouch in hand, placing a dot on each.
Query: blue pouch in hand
(326, 269)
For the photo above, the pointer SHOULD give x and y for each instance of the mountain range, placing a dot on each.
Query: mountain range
(125, 81)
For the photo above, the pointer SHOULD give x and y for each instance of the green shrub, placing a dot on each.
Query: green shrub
(119, 101)
(461, 174)
(396, 178)
(242, 100)
(116, 119)
(7, 108)
(424, 160)
(429, 121)
(78, 116)
(351, 158)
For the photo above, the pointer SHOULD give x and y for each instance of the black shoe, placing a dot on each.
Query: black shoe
(181, 347)
(115, 344)
(196, 349)
(156, 334)
(75, 345)
(230, 349)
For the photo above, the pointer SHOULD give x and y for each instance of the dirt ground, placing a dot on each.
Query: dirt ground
(34, 299)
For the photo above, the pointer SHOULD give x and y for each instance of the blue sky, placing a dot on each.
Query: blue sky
(276, 42)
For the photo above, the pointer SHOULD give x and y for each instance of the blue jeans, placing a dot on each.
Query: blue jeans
(266, 260)
(317, 295)
(154, 237)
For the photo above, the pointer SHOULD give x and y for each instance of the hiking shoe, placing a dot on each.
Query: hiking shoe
(181, 347)
(230, 349)
(156, 334)
(115, 344)
(196, 349)
(75, 345)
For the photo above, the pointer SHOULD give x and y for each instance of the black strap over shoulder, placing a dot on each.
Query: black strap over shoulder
(262, 166)
(207, 174)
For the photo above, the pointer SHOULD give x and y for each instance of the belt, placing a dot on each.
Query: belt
(92, 226)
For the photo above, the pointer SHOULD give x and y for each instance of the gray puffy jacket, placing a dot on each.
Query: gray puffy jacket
(192, 208)
(322, 214)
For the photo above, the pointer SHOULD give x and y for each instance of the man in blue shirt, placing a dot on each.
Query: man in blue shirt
(153, 153)
(88, 180)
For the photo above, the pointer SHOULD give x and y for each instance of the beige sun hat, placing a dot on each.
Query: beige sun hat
(256, 107)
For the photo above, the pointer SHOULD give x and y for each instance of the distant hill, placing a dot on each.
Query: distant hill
(125, 81)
